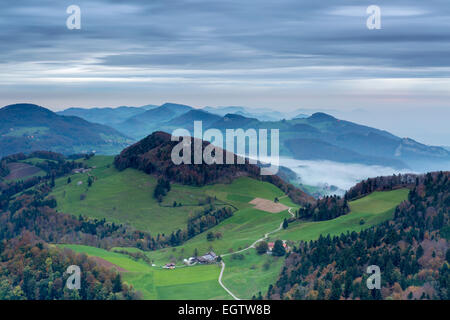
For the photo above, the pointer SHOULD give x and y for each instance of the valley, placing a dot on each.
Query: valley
(138, 215)
(247, 273)
(190, 152)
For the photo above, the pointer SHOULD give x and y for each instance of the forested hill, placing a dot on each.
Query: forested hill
(384, 183)
(30, 269)
(412, 251)
(330, 207)
(28, 127)
(153, 156)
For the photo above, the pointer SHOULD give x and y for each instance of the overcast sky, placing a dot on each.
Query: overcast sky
(281, 54)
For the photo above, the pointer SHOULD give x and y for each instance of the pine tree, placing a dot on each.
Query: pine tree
(117, 283)
(278, 249)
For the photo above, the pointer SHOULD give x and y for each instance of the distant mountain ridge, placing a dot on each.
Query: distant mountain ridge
(258, 113)
(28, 127)
(316, 137)
(324, 137)
(186, 120)
(106, 116)
(149, 121)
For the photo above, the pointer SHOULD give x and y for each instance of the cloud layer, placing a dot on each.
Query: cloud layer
(283, 54)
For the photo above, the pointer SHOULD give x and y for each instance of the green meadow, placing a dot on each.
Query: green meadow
(238, 232)
(246, 273)
(126, 197)
(155, 283)
(373, 209)
(255, 273)
(251, 275)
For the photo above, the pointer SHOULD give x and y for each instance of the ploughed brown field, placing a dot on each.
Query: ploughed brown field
(268, 206)
(19, 170)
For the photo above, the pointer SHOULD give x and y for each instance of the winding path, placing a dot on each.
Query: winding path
(250, 247)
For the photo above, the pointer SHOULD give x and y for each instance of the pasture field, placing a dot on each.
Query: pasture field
(238, 232)
(288, 202)
(251, 275)
(127, 197)
(373, 209)
(118, 259)
(193, 283)
(246, 273)
(255, 273)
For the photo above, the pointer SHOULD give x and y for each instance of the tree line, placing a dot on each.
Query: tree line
(412, 251)
(326, 208)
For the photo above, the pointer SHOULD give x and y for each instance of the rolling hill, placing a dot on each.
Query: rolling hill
(123, 187)
(153, 155)
(127, 197)
(28, 127)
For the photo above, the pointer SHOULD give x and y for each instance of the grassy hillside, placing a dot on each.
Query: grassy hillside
(127, 197)
(373, 209)
(238, 232)
(124, 197)
(255, 273)
(198, 282)
(246, 273)
(252, 274)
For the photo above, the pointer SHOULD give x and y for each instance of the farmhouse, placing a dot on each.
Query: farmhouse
(210, 257)
(270, 246)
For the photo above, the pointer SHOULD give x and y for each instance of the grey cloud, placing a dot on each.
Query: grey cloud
(285, 52)
(275, 29)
